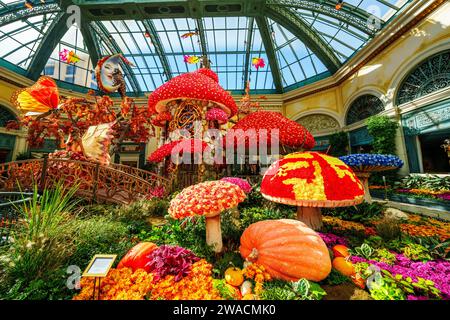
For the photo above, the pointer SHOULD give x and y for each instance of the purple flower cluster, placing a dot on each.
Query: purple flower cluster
(444, 196)
(332, 240)
(437, 271)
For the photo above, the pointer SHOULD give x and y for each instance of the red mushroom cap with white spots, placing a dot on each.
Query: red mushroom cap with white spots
(201, 84)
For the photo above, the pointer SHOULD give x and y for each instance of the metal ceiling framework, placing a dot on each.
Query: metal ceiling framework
(283, 12)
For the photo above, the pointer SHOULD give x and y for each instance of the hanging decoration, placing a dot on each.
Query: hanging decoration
(69, 57)
(258, 63)
(189, 34)
(41, 97)
(191, 59)
(109, 76)
(339, 4)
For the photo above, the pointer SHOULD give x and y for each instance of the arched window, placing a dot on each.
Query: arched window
(430, 75)
(363, 107)
(5, 116)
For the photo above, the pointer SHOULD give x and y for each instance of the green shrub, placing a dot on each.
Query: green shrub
(255, 214)
(364, 212)
(142, 210)
(339, 144)
(384, 131)
(430, 182)
(43, 237)
(99, 235)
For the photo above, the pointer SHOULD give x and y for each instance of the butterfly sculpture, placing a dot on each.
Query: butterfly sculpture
(69, 56)
(258, 63)
(189, 34)
(41, 97)
(191, 59)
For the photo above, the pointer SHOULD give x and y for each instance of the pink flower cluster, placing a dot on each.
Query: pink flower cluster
(241, 183)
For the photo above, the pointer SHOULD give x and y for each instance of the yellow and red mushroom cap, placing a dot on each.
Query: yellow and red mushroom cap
(207, 199)
(312, 179)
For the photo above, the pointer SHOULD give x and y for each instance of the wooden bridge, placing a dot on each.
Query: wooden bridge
(114, 183)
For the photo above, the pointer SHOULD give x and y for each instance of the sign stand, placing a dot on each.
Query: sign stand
(98, 268)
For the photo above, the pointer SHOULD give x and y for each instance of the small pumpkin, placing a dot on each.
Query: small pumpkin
(344, 266)
(137, 257)
(234, 276)
(287, 248)
(340, 250)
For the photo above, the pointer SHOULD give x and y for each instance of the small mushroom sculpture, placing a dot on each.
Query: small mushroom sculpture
(363, 164)
(216, 114)
(208, 199)
(311, 180)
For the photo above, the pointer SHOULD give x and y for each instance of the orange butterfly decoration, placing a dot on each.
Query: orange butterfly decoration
(41, 97)
(189, 34)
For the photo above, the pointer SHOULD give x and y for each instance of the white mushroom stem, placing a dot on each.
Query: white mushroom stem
(311, 216)
(214, 233)
(364, 178)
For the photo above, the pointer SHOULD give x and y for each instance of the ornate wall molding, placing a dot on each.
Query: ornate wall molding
(319, 123)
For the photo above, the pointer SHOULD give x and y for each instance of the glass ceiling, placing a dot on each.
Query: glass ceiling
(157, 50)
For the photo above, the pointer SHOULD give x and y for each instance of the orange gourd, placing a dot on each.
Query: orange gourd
(136, 258)
(288, 250)
(340, 250)
(234, 276)
(344, 266)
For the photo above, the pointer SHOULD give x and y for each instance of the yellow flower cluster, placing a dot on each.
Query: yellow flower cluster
(119, 284)
(197, 285)
(426, 227)
(342, 224)
(124, 284)
(257, 273)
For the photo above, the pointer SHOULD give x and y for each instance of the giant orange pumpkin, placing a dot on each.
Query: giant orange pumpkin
(136, 258)
(288, 249)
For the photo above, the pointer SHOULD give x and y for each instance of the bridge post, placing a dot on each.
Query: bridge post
(94, 191)
(44, 172)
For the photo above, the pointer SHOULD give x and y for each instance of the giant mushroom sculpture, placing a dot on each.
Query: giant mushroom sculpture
(200, 87)
(363, 164)
(207, 199)
(311, 180)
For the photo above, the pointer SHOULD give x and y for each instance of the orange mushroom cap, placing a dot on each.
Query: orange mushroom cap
(207, 199)
(312, 179)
